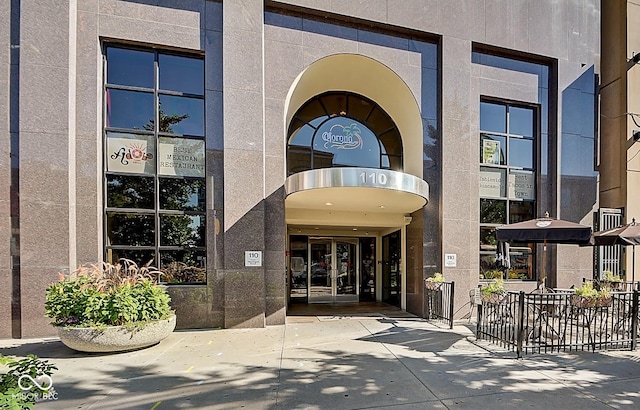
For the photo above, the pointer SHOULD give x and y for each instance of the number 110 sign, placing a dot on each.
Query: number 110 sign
(375, 178)
(253, 258)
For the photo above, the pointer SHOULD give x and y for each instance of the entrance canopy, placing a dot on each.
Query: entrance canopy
(353, 196)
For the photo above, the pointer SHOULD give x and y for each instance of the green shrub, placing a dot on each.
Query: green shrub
(436, 278)
(101, 295)
(11, 395)
(587, 290)
(610, 277)
(496, 287)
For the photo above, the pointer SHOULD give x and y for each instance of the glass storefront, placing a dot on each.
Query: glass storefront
(331, 269)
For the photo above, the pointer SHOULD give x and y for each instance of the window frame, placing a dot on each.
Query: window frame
(324, 114)
(156, 212)
(527, 250)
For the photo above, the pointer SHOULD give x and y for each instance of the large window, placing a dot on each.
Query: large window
(155, 161)
(508, 136)
(340, 129)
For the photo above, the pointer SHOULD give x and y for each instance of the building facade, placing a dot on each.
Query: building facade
(268, 153)
(620, 123)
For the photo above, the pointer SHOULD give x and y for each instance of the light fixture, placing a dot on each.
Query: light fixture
(328, 204)
(635, 59)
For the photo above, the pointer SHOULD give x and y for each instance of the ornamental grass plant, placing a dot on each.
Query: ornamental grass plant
(104, 294)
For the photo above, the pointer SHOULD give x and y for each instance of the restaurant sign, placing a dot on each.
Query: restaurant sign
(341, 135)
(181, 156)
(132, 155)
(521, 185)
(492, 183)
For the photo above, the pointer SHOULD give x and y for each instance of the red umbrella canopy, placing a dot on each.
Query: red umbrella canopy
(624, 235)
(545, 230)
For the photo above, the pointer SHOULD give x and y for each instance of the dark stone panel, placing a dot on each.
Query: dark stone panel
(415, 304)
(275, 231)
(275, 282)
(215, 285)
(5, 302)
(275, 261)
(275, 203)
(34, 282)
(193, 307)
(244, 322)
(276, 311)
(414, 263)
(244, 298)
(245, 235)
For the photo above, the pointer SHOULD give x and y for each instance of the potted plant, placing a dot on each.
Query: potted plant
(611, 281)
(434, 282)
(107, 307)
(491, 274)
(587, 296)
(493, 292)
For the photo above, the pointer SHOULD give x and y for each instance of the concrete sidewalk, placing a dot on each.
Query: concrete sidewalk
(334, 363)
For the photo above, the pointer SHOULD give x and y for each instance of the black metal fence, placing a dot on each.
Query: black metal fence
(559, 321)
(438, 303)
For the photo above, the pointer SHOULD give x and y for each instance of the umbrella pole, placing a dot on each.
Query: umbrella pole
(544, 265)
(633, 264)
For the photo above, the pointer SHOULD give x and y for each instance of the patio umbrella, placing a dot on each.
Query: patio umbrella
(623, 235)
(545, 230)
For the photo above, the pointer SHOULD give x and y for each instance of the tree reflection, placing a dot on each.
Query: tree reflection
(177, 230)
(166, 122)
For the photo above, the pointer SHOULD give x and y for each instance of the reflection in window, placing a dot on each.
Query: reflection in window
(124, 191)
(342, 130)
(152, 218)
(129, 109)
(507, 184)
(130, 67)
(183, 266)
(181, 74)
(182, 230)
(179, 194)
(181, 115)
(130, 229)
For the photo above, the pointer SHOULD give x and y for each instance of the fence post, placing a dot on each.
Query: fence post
(634, 320)
(479, 320)
(520, 325)
(451, 298)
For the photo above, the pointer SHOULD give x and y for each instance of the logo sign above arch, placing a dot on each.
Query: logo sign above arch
(365, 76)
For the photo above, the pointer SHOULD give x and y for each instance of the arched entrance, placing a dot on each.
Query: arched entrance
(348, 193)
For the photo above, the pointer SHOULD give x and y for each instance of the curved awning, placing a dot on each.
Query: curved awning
(364, 192)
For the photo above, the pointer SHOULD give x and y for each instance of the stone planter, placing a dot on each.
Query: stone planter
(116, 338)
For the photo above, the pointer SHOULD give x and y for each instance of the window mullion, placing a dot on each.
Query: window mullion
(156, 130)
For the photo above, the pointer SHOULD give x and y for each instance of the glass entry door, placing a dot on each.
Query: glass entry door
(333, 270)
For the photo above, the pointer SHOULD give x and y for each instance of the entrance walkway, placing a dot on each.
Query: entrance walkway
(323, 311)
(344, 363)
